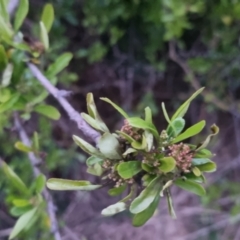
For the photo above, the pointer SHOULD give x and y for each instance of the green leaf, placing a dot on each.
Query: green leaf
(129, 169)
(191, 176)
(196, 172)
(10, 103)
(147, 178)
(21, 14)
(190, 186)
(20, 202)
(60, 63)
(3, 10)
(114, 209)
(120, 110)
(147, 167)
(7, 75)
(109, 146)
(48, 111)
(22, 147)
(18, 211)
(192, 131)
(140, 123)
(44, 36)
(117, 190)
(126, 136)
(15, 181)
(176, 127)
(96, 169)
(203, 153)
(88, 148)
(146, 197)
(129, 151)
(94, 123)
(48, 16)
(148, 115)
(167, 164)
(165, 113)
(200, 161)
(3, 58)
(138, 145)
(92, 160)
(166, 186)
(35, 141)
(22, 222)
(184, 107)
(141, 218)
(40, 183)
(208, 167)
(65, 184)
(215, 131)
(5, 30)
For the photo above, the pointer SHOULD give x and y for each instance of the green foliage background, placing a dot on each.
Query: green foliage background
(120, 49)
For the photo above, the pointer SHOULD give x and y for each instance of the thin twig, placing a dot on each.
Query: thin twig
(72, 113)
(34, 160)
(193, 80)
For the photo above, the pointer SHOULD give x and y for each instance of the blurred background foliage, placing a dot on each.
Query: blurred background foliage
(138, 53)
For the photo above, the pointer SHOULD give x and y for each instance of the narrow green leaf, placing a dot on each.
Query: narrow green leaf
(147, 167)
(140, 123)
(147, 178)
(200, 161)
(15, 181)
(10, 103)
(165, 113)
(184, 107)
(129, 169)
(7, 75)
(176, 127)
(22, 222)
(35, 141)
(22, 147)
(48, 111)
(3, 58)
(148, 115)
(167, 185)
(140, 146)
(146, 197)
(88, 148)
(190, 186)
(203, 153)
(65, 184)
(167, 164)
(141, 218)
(215, 131)
(60, 63)
(44, 36)
(191, 176)
(129, 151)
(192, 131)
(48, 16)
(120, 110)
(117, 190)
(5, 30)
(3, 10)
(126, 136)
(114, 209)
(18, 211)
(40, 183)
(93, 122)
(21, 14)
(109, 146)
(92, 160)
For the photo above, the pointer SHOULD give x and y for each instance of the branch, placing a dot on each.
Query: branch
(72, 113)
(194, 81)
(34, 160)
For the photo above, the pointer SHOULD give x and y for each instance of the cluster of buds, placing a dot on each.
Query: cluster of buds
(164, 137)
(129, 130)
(183, 156)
